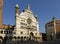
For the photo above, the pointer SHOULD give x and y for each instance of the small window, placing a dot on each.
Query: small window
(21, 32)
(6, 32)
(23, 27)
(10, 32)
(36, 33)
(23, 20)
(2, 32)
(23, 23)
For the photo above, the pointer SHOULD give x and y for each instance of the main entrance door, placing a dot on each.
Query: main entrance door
(31, 36)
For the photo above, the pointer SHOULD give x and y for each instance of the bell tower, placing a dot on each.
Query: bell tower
(1, 12)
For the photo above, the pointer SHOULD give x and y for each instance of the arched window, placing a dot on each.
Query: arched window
(31, 34)
(35, 33)
(21, 32)
(1, 32)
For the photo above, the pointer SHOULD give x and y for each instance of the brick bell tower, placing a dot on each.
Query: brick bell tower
(1, 12)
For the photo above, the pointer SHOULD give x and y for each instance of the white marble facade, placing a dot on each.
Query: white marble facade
(26, 23)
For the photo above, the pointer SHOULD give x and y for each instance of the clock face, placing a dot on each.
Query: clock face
(29, 21)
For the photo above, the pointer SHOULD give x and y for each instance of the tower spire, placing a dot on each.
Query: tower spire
(36, 17)
(17, 9)
(17, 5)
(28, 7)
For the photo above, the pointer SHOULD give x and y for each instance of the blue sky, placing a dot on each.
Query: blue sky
(44, 9)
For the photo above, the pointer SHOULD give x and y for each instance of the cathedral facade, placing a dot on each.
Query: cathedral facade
(26, 26)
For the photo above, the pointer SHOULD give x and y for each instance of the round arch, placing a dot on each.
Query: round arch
(1, 38)
(31, 34)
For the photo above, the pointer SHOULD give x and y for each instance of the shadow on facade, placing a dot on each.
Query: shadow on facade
(58, 35)
(29, 41)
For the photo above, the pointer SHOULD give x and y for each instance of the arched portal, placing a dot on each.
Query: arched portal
(21, 38)
(5, 39)
(31, 36)
(50, 37)
(15, 37)
(1, 38)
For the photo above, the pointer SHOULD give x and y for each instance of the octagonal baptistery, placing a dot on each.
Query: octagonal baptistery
(26, 25)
